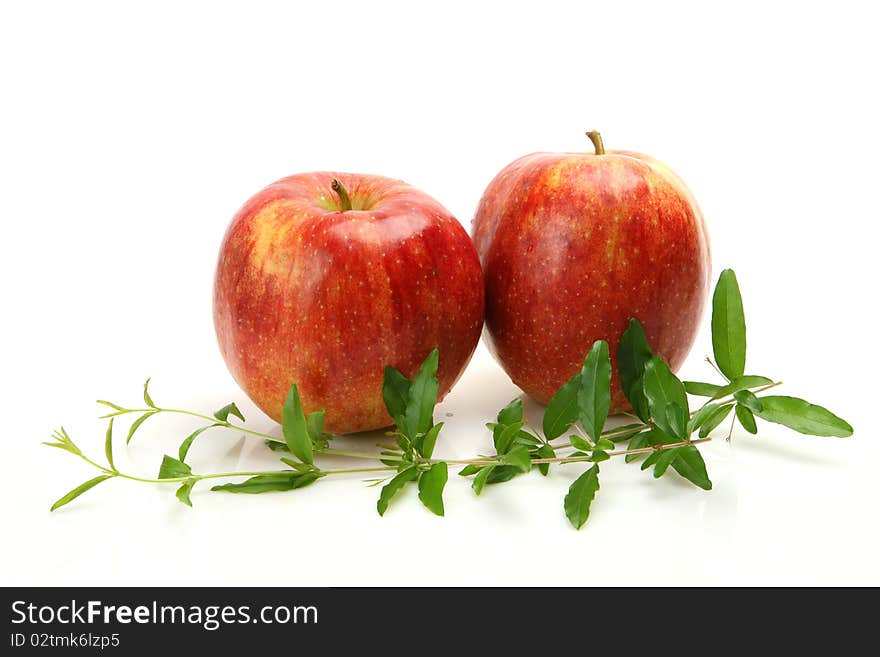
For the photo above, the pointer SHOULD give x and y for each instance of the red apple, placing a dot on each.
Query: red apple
(323, 285)
(573, 245)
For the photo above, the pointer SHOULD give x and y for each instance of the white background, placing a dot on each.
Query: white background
(129, 137)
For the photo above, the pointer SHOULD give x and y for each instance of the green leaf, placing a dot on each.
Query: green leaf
(715, 418)
(747, 398)
(702, 414)
(701, 389)
(136, 425)
(315, 424)
(502, 473)
(426, 448)
(562, 410)
(395, 392)
(653, 457)
(511, 413)
(147, 399)
(480, 480)
(230, 409)
(664, 460)
(270, 483)
(503, 436)
(298, 465)
(623, 433)
(544, 452)
(171, 468)
(184, 491)
(638, 441)
(667, 398)
(580, 497)
(690, 465)
(518, 457)
(746, 419)
(599, 455)
(525, 438)
(108, 445)
(183, 450)
(604, 444)
(293, 425)
(633, 353)
(423, 396)
(79, 490)
(431, 484)
(390, 489)
(728, 326)
(594, 393)
(469, 470)
(803, 416)
(741, 383)
(580, 443)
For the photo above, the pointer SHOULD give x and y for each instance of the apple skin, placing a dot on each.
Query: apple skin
(573, 245)
(310, 294)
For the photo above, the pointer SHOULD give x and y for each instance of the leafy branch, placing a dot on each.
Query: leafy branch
(665, 436)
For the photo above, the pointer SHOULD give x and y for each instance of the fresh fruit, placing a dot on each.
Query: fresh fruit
(325, 278)
(573, 245)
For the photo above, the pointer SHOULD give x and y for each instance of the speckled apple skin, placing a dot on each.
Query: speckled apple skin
(307, 294)
(573, 245)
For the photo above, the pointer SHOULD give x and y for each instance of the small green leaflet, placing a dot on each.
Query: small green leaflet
(702, 414)
(562, 410)
(108, 445)
(714, 419)
(518, 457)
(594, 392)
(79, 490)
(544, 452)
(803, 416)
(390, 489)
(147, 399)
(747, 398)
(293, 425)
(666, 397)
(183, 450)
(504, 435)
(701, 389)
(623, 433)
(315, 424)
(638, 441)
(664, 459)
(431, 484)
(422, 397)
(746, 419)
(632, 355)
(137, 424)
(230, 409)
(690, 465)
(741, 383)
(269, 483)
(395, 392)
(171, 468)
(511, 413)
(580, 497)
(425, 444)
(184, 491)
(728, 326)
(580, 443)
(480, 480)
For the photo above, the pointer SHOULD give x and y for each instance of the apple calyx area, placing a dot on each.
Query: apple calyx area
(596, 138)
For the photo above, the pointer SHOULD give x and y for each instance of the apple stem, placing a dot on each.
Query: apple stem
(596, 138)
(344, 200)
